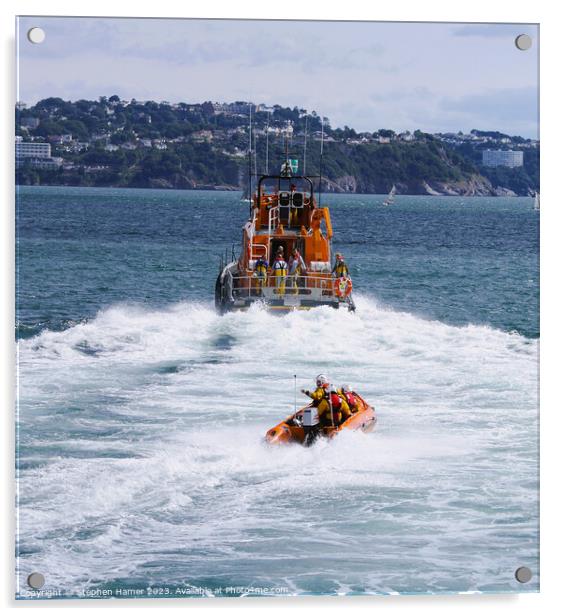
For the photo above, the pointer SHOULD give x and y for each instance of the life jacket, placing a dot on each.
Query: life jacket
(336, 410)
(335, 400)
(296, 267)
(261, 267)
(341, 269)
(350, 397)
(280, 267)
(318, 395)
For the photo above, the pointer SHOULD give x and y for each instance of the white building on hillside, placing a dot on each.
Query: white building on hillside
(502, 158)
(26, 149)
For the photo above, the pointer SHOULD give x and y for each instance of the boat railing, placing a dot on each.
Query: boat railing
(258, 251)
(273, 219)
(255, 286)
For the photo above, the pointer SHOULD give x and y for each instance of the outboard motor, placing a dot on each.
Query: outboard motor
(311, 424)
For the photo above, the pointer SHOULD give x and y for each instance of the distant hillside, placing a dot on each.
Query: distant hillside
(111, 142)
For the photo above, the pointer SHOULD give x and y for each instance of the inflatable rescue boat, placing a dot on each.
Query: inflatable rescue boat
(298, 428)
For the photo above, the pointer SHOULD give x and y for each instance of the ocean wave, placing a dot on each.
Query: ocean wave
(141, 451)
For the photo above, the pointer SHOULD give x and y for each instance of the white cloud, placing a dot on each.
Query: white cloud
(364, 74)
(494, 30)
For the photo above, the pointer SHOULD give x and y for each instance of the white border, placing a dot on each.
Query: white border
(539, 11)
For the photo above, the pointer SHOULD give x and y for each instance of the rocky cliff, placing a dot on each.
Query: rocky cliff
(473, 186)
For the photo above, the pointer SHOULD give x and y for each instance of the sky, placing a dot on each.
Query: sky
(436, 77)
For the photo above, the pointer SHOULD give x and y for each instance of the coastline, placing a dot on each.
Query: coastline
(430, 192)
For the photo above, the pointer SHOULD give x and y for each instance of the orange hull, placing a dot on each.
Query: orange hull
(290, 430)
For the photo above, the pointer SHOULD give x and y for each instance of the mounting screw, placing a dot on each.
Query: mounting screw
(523, 42)
(523, 575)
(36, 580)
(36, 35)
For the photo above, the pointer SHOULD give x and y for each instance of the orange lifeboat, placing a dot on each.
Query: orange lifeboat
(287, 227)
(292, 430)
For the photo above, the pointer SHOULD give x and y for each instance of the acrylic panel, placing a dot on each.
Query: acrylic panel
(277, 299)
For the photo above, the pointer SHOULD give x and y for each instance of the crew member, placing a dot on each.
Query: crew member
(340, 268)
(350, 398)
(297, 268)
(293, 211)
(320, 396)
(261, 273)
(280, 270)
(332, 409)
(340, 407)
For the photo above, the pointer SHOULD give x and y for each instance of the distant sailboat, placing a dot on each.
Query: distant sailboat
(390, 199)
(537, 205)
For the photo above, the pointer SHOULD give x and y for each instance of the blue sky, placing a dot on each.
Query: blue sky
(367, 75)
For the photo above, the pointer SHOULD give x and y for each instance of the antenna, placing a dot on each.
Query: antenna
(267, 145)
(304, 153)
(321, 160)
(255, 155)
(295, 376)
(285, 168)
(250, 160)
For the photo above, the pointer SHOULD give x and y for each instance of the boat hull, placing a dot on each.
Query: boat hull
(290, 429)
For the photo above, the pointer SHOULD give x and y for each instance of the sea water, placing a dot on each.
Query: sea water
(141, 412)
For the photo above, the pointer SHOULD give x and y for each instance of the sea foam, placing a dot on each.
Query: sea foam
(141, 452)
